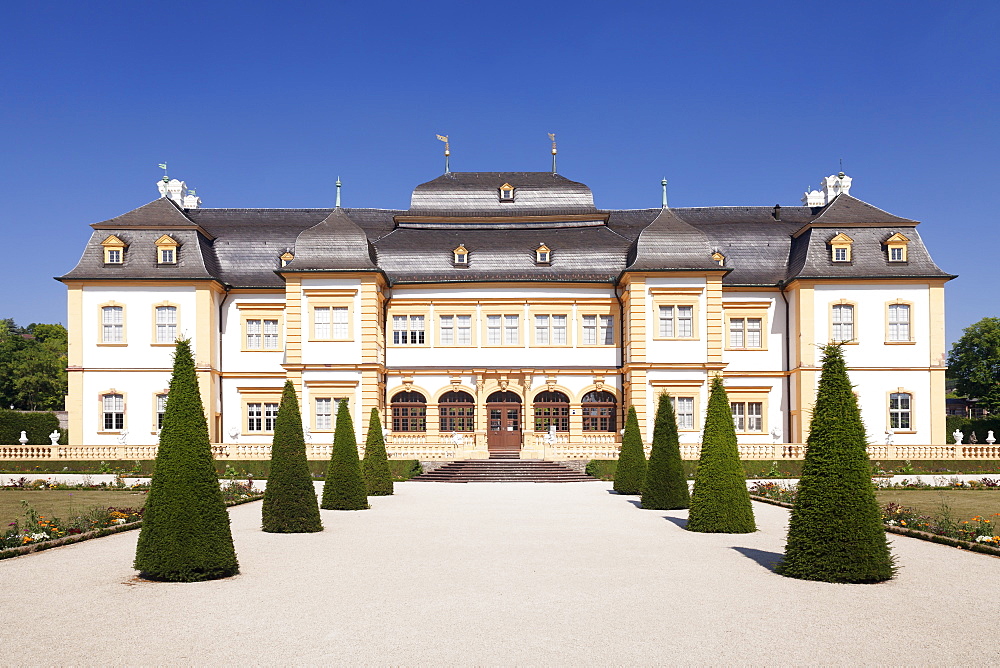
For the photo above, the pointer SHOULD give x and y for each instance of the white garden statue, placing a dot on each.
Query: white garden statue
(24, 438)
(776, 435)
(457, 439)
(888, 436)
(54, 437)
(989, 437)
(958, 436)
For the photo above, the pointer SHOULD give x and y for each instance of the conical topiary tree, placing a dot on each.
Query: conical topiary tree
(185, 533)
(378, 479)
(631, 471)
(344, 488)
(666, 486)
(290, 504)
(835, 533)
(720, 502)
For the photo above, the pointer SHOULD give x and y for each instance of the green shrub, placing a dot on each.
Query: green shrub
(666, 485)
(378, 479)
(404, 469)
(631, 471)
(37, 427)
(835, 533)
(344, 488)
(720, 502)
(602, 469)
(290, 504)
(185, 532)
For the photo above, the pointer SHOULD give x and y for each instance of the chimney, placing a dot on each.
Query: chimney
(777, 212)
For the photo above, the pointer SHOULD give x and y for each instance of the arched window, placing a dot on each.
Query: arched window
(551, 409)
(599, 411)
(409, 412)
(458, 412)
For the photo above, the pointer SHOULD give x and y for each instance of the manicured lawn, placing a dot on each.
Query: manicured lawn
(63, 503)
(963, 503)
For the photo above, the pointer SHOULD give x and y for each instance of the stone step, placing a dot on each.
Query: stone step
(491, 470)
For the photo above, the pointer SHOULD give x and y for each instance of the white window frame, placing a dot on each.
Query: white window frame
(166, 323)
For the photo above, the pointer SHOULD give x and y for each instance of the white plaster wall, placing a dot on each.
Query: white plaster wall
(771, 359)
(873, 388)
(232, 411)
(139, 325)
(352, 393)
(331, 352)
(139, 389)
(695, 350)
(233, 357)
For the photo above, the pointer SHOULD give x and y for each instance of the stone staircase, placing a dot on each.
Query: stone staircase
(503, 470)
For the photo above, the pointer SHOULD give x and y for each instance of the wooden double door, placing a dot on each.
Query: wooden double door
(503, 410)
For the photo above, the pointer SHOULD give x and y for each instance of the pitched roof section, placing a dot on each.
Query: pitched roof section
(194, 257)
(669, 243)
(162, 213)
(847, 210)
(336, 243)
(811, 256)
(478, 194)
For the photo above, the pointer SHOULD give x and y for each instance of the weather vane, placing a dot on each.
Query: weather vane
(447, 153)
(552, 138)
(163, 166)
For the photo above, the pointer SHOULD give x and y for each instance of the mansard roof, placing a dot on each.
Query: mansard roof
(763, 246)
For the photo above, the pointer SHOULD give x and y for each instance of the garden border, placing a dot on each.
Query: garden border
(12, 552)
(912, 533)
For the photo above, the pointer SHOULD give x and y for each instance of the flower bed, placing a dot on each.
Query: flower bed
(976, 534)
(37, 532)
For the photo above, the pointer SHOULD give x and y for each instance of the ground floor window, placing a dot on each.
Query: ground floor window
(458, 412)
(748, 415)
(261, 417)
(551, 409)
(599, 411)
(899, 410)
(114, 412)
(684, 412)
(161, 409)
(409, 412)
(324, 413)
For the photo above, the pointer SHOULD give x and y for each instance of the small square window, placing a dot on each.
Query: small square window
(840, 255)
(896, 254)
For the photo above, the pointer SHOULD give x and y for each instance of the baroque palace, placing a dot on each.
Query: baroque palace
(504, 314)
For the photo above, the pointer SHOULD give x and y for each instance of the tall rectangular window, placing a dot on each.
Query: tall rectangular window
(463, 327)
(559, 330)
(324, 413)
(589, 330)
(684, 412)
(166, 324)
(676, 322)
(606, 332)
(340, 323)
(321, 322)
(493, 330)
(899, 322)
(510, 330)
(161, 409)
(843, 322)
(114, 412)
(112, 324)
(447, 330)
(899, 410)
(541, 330)
(408, 330)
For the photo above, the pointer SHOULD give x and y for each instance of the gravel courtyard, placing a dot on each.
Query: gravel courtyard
(497, 574)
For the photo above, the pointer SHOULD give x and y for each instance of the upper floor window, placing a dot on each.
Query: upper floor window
(112, 324)
(114, 250)
(598, 330)
(745, 332)
(506, 193)
(840, 247)
(598, 408)
(166, 324)
(456, 330)
(330, 322)
(899, 322)
(409, 411)
(113, 406)
(166, 250)
(460, 256)
(676, 322)
(503, 330)
(896, 246)
(408, 330)
(842, 322)
(262, 334)
(286, 257)
(543, 254)
(550, 330)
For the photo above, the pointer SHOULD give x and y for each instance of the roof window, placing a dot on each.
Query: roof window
(840, 248)
(286, 257)
(166, 250)
(543, 255)
(114, 250)
(895, 247)
(506, 193)
(720, 258)
(460, 256)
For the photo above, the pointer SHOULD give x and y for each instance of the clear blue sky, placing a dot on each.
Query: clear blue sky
(265, 104)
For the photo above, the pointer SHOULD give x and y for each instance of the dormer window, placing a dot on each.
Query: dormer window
(719, 258)
(896, 247)
(506, 193)
(840, 248)
(114, 250)
(286, 257)
(166, 250)
(460, 256)
(543, 255)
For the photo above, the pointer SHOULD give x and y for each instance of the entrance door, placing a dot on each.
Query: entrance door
(504, 412)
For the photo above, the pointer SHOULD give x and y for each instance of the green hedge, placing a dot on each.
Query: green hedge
(37, 426)
(401, 469)
(967, 427)
(604, 469)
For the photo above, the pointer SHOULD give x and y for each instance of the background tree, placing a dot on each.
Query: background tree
(974, 362)
(378, 479)
(344, 488)
(720, 502)
(666, 485)
(631, 471)
(33, 366)
(835, 533)
(185, 533)
(290, 504)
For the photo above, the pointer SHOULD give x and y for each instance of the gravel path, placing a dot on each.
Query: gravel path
(497, 574)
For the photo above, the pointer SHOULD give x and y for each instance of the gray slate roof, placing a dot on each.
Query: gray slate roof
(242, 247)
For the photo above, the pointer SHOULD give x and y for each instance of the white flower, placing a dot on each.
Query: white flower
(39, 536)
(120, 521)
